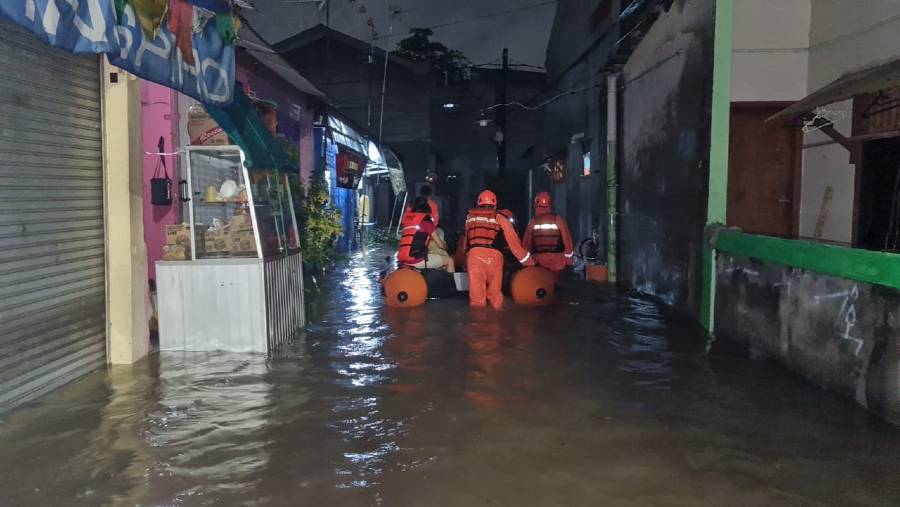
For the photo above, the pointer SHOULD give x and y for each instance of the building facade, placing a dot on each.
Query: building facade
(629, 123)
(429, 120)
(811, 183)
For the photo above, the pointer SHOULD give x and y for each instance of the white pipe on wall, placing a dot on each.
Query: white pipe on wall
(612, 176)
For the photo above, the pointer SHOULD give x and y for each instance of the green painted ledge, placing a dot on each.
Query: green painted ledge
(854, 264)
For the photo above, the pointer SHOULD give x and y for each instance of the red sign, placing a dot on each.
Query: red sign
(350, 167)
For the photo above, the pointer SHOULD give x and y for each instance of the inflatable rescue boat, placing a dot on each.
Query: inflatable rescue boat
(407, 287)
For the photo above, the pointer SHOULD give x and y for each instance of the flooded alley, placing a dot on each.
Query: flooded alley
(599, 400)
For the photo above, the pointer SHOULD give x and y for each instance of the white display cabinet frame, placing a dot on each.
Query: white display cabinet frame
(237, 304)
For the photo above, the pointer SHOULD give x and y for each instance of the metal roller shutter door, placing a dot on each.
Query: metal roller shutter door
(52, 275)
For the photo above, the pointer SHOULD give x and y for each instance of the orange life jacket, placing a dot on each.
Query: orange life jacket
(482, 228)
(413, 242)
(546, 234)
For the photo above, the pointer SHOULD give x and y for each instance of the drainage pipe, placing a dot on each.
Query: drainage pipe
(612, 175)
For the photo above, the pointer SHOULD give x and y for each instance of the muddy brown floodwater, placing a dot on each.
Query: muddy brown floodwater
(600, 400)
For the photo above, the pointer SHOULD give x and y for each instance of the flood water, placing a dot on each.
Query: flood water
(599, 400)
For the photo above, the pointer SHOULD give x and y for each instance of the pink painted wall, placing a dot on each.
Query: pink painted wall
(159, 118)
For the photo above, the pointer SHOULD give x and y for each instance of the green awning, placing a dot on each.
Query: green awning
(242, 123)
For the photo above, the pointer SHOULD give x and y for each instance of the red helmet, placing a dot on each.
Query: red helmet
(487, 198)
(542, 200)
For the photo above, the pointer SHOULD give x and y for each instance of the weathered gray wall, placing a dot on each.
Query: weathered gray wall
(665, 152)
(582, 200)
(841, 334)
(577, 54)
(574, 32)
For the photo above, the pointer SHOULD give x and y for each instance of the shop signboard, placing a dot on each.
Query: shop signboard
(90, 26)
(210, 79)
(78, 26)
(350, 167)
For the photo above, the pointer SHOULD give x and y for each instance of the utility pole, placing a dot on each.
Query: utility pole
(500, 118)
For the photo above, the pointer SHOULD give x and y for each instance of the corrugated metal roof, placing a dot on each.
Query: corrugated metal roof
(871, 79)
(266, 56)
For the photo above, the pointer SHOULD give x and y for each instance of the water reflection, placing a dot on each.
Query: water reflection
(600, 399)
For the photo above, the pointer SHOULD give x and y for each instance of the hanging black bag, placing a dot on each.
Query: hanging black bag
(161, 188)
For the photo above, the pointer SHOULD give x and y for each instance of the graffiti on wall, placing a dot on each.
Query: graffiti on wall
(845, 322)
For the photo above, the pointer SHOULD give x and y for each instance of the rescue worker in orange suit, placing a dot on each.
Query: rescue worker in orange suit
(548, 237)
(484, 261)
(418, 233)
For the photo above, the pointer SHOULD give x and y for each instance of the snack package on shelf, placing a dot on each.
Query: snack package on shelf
(240, 222)
(180, 235)
(217, 242)
(176, 253)
(243, 242)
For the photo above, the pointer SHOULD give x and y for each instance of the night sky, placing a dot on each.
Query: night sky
(525, 32)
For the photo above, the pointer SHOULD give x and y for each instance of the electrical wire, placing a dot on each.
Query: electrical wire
(477, 18)
(544, 103)
(593, 86)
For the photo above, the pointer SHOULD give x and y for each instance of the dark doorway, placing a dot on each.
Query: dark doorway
(878, 227)
(763, 186)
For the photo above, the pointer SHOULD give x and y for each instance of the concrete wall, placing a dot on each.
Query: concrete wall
(581, 200)
(578, 109)
(846, 36)
(574, 32)
(826, 166)
(841, 334)
(127, 293)
(771, 50)
(665, 151)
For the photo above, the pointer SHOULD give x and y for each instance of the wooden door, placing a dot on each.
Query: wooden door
(763, 173)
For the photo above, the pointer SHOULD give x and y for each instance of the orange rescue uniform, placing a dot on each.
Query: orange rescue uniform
(483, 261)
(548, 238)
(435, 216)
(417, 229)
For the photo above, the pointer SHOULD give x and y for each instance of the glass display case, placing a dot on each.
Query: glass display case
(240, 289)
(275, 212)
(234, 212)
